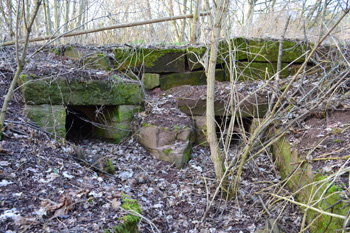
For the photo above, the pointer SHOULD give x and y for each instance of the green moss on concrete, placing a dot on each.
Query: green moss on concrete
(150, 81)
(187, 154)
(51, 118)
(308, 183)
(117, 121)
(72, 53)
(179, 127)
(168, 151)
(194, 55)
(153, 60)
(239, 48)
(189, 78)
(259, 71)
(267, 51)
(97, 61)
(74, 92)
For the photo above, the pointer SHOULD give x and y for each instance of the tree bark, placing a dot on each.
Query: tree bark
(211, 123)
(20, 60)
(56, 15)
(195, 23)
(66, 16)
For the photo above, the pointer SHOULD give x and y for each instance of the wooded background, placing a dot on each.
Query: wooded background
(251, 18)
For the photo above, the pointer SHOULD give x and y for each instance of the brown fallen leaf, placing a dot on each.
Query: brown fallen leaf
(115, 204)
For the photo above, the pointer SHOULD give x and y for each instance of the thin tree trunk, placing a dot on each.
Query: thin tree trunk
(251, 6)
(195, 23)
(56, 15)
(211, 123)
(81, 12)
(20, 60)
(74, 9)
(49, 21)
(9, 18)
(66, 16)
(323, 19)
(152, 32)
(183, 24)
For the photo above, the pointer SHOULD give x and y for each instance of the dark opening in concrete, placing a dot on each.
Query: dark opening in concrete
(241, 127)
(78, 125)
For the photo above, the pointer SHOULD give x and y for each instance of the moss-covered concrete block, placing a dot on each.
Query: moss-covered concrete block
(75, 92)
(72, 53)
(151, 60)
(51, 118)
(239, 48)
(259, 71)
(116, 122)
(189, 78)
(267, 51)
(97, 61)
(307, 182)
(201, 128)
(194, 56)
(150, 81)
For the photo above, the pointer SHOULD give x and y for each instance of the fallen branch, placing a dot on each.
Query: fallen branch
(116, 26)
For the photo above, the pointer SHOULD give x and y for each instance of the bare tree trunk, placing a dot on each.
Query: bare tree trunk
(183, 24)
(170, 10)
(66, 16)
(195, 23)
(152, 32)
(81, 12)
(323, 19)
(211, 123)
(20, 60)
(74, 9)
(9, 18)
(251, 6)
(56, 14)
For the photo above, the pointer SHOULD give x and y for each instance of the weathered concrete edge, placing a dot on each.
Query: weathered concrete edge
(287, 159)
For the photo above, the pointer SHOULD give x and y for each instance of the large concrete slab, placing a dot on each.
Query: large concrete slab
(64, 91)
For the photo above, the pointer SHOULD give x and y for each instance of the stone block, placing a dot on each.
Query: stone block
(150, 81)
(194, 55)
(267, 51)
(97, 61)
(189, 78)
(168, 144)
(61, 91)
(239, 48)
(201, 128)
(150, 60)
(259, 71)
(51, 118)
(116, 122)
(72, 53)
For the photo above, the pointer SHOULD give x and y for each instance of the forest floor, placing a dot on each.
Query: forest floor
(43, 188)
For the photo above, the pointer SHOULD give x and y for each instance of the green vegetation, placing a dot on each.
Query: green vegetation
(109, 167)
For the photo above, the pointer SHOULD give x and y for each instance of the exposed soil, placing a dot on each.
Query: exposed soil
(324, 140)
